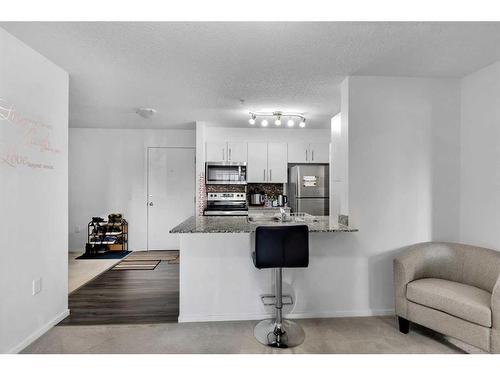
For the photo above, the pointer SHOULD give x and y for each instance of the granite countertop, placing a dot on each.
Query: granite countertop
(240, 224)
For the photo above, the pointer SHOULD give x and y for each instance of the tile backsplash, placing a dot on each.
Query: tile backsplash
(226, 188)
(271, 190)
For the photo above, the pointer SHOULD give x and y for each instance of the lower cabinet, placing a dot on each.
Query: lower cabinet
(267, 162)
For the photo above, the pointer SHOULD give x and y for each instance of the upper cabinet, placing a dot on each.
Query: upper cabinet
(216, 151)
(309, 152)
(257, 162)
(226, 152)
(237, 152)
(298, 152)
(277, 162)
(320, 152)
(267, 162)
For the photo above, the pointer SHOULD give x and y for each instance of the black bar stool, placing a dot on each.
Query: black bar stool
(278, 247)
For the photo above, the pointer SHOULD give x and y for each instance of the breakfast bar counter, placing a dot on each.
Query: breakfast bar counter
(218, 280)
(241, 224)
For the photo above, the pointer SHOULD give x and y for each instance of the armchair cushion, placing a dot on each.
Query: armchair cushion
(460, 300)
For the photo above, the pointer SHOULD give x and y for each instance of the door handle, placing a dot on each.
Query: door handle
(223, 154)
(229, 158)
(270, 175)
(264, 175)
(151, 203)
(306, 155)
(312, 155)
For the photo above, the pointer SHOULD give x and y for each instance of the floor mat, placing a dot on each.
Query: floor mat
(137, 265)
(166, 255)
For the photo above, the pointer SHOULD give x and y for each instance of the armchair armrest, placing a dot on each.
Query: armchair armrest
(495, 305)
(408, 266)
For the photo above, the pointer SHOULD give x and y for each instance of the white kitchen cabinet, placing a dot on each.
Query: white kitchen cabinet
(319, 152)
(267, 162)
(257, 162)
(309, 152)
(237, 152)
(298, 152)
(216, 151)
(226, 152)
(277, 163)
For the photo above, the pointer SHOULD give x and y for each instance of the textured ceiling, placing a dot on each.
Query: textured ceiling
(199, 71)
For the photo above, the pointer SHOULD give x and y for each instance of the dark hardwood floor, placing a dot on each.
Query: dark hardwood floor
(127, 297)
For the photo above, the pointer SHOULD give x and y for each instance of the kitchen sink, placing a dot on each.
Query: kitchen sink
(270, 219)
(263, 219)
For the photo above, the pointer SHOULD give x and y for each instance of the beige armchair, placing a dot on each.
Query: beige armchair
(451, 288)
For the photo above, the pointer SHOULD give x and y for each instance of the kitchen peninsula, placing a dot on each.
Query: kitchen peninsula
(218, 280)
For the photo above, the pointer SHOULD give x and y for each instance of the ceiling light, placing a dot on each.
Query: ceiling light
(277, 118)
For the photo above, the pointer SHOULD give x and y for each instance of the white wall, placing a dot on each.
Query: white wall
(269, 134)
(480, 158)
(339, 164)
(108, 173)
(33, 193)
(403, 173)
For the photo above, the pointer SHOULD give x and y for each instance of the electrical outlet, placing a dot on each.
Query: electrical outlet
(37, 286)
(78, 228)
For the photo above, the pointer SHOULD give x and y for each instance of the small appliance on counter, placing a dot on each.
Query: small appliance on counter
(226, 204)
(257, 199)
(282, 200)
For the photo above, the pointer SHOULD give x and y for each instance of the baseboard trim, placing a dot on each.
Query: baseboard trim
(38, 333)
(186, 318)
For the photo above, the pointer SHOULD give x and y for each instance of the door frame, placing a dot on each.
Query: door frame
(147, 181)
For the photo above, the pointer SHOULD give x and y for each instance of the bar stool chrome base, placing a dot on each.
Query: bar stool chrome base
(290, 335)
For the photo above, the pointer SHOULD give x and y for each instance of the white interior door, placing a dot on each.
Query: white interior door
(171, 193)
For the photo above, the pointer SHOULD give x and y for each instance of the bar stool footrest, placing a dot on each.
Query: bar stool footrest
(270, 299)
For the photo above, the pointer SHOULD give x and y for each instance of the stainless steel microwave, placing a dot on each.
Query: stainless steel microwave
(225, 173)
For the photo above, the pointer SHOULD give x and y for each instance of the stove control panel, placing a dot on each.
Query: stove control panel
(226, 196)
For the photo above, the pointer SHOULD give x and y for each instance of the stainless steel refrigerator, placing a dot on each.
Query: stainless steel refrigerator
(309, 189)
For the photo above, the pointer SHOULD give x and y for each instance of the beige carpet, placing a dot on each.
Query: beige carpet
(333, 335)
(81, 271)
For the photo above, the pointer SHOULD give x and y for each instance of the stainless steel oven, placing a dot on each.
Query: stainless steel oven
(226, 204)
(226, 173)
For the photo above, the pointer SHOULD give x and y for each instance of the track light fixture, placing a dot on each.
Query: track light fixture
(277, 115)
